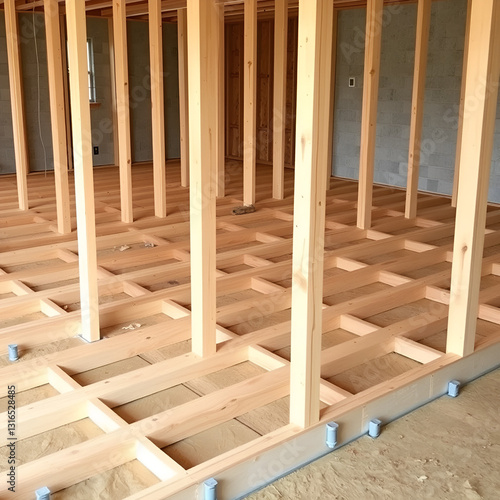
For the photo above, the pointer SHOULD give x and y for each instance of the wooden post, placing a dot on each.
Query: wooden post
(58, 118)
(309, 220)
(122, 100)
(279, 98)
(157, 107)
(329, 172)
(417, 107)
(374, 13)
(84, 178)
(17, 104)
(67, 107)
(183, 94)
(249, 97)
(481, 93)
(461, 109)
(203, 27)
(221, 168)
(116, 145)
(325, 89)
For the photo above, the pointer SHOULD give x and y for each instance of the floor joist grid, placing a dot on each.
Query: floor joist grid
(139, 398)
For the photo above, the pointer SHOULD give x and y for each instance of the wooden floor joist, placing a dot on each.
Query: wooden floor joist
(384, 304)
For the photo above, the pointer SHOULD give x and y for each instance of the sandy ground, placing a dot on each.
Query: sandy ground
(448, 449)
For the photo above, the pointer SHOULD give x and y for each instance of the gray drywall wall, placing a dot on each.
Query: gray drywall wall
(101, 116)
(140, 91)
(171, 91)
(33, 53)
(7, 160)
(442, 95)
(35, 88)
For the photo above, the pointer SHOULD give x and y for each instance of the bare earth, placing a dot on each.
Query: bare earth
(448, 449)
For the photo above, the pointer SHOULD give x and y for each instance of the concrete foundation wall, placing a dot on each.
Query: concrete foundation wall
(101, 116)
(442, 95)
(36, 94)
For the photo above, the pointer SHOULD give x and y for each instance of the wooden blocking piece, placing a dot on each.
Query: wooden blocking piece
(17, 104)
(279, 96)
(203, 26)
(374, 10)
(183, 95)
(57, 114)
(481, 90)
(417, 107)
(309, 222)
(122, 106)
(84, 178)
(157, 107)
(249, 97)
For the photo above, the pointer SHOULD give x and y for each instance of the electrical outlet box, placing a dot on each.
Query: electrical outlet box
(352, 81)
(96, 150)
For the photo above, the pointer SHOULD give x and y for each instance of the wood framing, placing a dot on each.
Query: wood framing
(203, 57)
(326, 74)
(249, 97)
(333, 77)
(157, 107)
(114, 107)
(122, 108)
(57, 114)
(17, 103)
(229, 342)
(417, 107)
(220, 128)
(483, 72)
(309, 218)
(84, 179)
(279, 97)
(183, 95)
(67, 113)
(384, 302)
(371, 79)
(461, 110)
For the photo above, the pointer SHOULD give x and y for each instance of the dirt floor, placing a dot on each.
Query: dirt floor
(448, 449)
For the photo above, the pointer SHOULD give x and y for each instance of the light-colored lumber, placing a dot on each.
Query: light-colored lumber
(57, 114)
(183, 95)
(387, 288)
(157, 107)
(123, 109)
(17, 103)
(309, 221)
(461, 110)
(374, 16)
(249, 104)
(114, 107)
(333, 78)
(279, 97)
(328, 50)
(416, 351)
(220, 188)
(203, 27)
(417, 106)
(67, 113)
(483, 71)
(84, 179)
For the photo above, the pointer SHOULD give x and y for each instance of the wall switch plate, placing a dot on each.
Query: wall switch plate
(352, 81)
